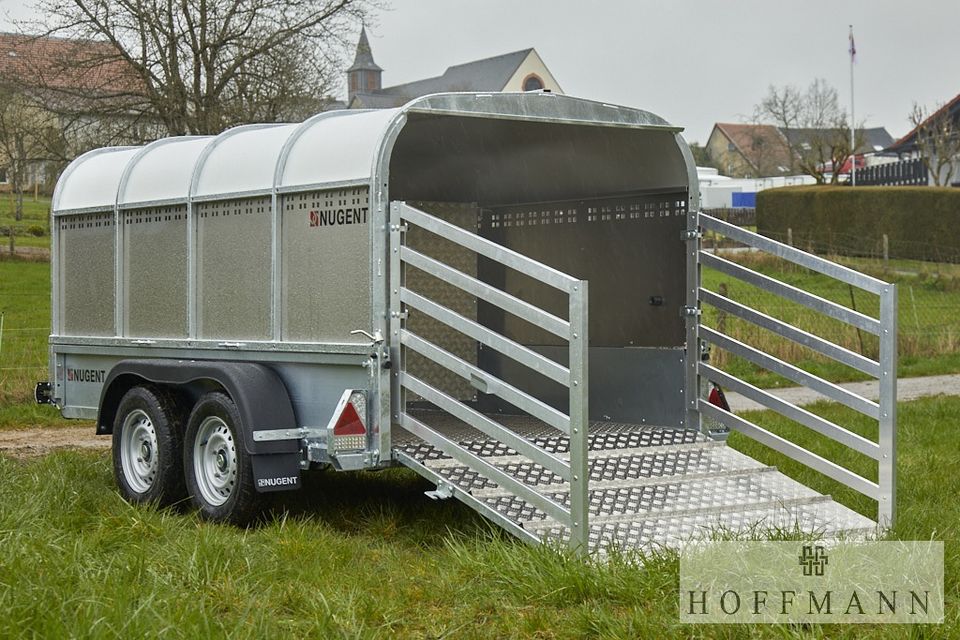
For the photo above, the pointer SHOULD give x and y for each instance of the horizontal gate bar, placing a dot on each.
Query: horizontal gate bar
(484, 247)
(490, 427)
(820, 425)
(492, 384)
(809, 300)
(790, 372)
(485, 469)
(825, 347)
(791, 450)
(785, 251)
(524, 355)
(534, 315)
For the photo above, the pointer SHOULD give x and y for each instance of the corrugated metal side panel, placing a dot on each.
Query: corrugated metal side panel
(154, 272)
(233, 269)
(86, 280)
(325, 249)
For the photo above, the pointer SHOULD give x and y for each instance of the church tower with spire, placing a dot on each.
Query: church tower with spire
(363, 76)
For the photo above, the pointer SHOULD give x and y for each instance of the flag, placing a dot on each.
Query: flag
(853, 47)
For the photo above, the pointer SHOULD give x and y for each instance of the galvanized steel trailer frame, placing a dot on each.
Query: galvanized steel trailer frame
(383, 354)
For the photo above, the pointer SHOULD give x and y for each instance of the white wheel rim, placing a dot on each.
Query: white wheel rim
(215, 461)
(138, 451)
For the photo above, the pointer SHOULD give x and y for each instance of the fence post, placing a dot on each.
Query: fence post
(789, 236)
(887, 476)
(579, 420)
(886, 251)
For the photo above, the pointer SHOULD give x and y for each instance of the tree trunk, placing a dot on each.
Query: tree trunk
(18, 200)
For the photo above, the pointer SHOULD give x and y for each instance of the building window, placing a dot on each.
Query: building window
(532, 83)
(3, 175)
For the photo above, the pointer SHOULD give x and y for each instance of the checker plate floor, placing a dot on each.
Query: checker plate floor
(649, 486)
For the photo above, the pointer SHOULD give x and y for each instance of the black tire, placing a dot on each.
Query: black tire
(218, 470)
(148, 446)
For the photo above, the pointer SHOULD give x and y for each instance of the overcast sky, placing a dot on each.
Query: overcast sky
(692, 62)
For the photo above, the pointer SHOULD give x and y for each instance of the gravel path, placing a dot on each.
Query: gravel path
(26, 443)
(907, 389)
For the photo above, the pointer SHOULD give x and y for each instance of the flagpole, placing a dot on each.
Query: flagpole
(853, 120)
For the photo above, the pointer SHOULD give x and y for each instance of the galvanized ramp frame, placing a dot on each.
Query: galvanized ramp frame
(883, 451)
(548, 476)
(574, 513)
(649, 487)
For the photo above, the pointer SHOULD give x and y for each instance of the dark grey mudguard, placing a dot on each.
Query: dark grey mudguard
(259, 393)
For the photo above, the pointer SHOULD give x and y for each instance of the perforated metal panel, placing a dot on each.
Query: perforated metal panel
(86, 267)
(629, 248)
(233, 269)
(155, 272)
(463, 215)
(325, 250)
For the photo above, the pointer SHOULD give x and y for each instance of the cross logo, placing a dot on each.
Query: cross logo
(813, 559)
(314, 219)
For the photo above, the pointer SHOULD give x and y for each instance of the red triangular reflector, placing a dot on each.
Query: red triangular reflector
(714, 398)
(717, 399)
(349, 423)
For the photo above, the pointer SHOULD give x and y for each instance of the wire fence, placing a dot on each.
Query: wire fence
(24, 331)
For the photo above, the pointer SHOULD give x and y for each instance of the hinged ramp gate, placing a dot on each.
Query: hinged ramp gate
(549, 474)
(884, 368)
(569, 467)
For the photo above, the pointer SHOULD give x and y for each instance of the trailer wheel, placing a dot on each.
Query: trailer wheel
(218, 469)
(147, 457)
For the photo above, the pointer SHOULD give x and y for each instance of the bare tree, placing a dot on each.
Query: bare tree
(816, 129)
(938, 142)
(200, 66)
(26, 131)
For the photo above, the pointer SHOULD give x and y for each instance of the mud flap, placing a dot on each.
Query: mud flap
(276, 472)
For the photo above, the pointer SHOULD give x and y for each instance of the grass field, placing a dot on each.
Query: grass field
(36, 217)
(928, 322)
(367, 555)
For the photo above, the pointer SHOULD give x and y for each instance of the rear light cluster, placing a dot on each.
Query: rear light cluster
(347, 429)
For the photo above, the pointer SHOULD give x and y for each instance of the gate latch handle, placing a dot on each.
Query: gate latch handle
(376, 338)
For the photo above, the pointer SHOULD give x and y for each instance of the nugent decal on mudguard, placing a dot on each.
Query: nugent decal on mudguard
(276, 472)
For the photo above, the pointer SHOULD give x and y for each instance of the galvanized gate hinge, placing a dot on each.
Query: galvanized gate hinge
(692, 234)
(691, 311)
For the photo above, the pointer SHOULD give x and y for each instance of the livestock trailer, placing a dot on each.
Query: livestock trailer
(499, 291)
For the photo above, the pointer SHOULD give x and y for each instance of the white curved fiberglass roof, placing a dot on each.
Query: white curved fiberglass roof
(335, 147)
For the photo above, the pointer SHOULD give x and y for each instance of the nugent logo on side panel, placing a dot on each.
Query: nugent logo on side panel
(338, 216)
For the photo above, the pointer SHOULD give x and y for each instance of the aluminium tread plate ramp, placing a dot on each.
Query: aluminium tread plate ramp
(649, 486)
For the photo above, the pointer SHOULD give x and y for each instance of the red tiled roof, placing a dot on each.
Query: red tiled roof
(908, 139)
(748, 137)
(65, 64)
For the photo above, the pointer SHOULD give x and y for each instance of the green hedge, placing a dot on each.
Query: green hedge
(922, 223)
